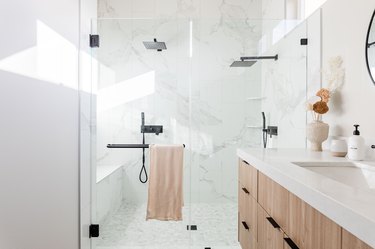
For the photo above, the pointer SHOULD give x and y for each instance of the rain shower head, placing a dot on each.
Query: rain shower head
(248, 61)
(159, 46)
(242, 63)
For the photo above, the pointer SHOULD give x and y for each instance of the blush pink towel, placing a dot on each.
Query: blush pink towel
(165, 196)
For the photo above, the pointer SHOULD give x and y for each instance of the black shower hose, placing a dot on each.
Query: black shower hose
(143, 169)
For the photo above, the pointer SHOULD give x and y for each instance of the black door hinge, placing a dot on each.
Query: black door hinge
(94, 231)
(192, 227)
(94, 41)
(304, 41)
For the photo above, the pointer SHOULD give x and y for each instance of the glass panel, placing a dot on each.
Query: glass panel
(227, 103)
(221, 119)
(284, 82)
(135, 80)
(201, 102)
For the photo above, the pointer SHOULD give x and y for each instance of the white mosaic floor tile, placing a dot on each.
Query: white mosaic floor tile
(128, 229)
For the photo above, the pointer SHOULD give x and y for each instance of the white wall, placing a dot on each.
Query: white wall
(39, 128)
(345, 24)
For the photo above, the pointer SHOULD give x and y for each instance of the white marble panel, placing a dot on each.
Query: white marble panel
(287, 81)
(109, 195)
(273, 9)
(216, 94)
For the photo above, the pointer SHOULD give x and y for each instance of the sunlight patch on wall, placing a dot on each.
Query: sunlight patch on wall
(53, 59)
(312, 5)
(126, 91)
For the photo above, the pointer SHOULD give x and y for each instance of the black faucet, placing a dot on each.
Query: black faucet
(270, 130)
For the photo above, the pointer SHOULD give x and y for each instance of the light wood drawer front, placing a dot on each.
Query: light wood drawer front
(274, 199)
(296, 222)
(265, 192)
(310, 229)
(349, 241)
(241, 200)
(246, 239)
(248, 177)
(244, 235)
(269, 236)
(248, 209)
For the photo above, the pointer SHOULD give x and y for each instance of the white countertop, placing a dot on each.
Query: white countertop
(353, 208)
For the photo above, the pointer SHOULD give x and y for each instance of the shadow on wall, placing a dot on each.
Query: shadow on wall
(39, 163)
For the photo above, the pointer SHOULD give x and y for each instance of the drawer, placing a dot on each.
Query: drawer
(248, 210)
(248, 178)
(246, 239)
(274, 199)
(318, 231)
(270, 235)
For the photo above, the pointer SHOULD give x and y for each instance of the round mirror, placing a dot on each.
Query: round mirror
(370, 48)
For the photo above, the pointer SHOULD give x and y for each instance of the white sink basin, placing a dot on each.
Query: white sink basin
(358, 175)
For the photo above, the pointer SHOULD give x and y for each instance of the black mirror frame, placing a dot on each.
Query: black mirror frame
(367, 43)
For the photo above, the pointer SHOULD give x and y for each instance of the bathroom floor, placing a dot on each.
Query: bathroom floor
(128, 229)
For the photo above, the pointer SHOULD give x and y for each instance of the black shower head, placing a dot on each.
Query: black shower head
(248, 61)
(159, 46)
(242, 63)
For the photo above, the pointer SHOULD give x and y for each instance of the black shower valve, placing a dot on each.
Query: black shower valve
(156, 129)
(272, 130)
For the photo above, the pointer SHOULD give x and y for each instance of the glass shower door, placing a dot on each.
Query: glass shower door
(137, 74)
(202, 102)
(221, 116)
(227, 105)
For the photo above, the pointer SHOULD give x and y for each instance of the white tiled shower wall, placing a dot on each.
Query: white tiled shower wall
(180, 82)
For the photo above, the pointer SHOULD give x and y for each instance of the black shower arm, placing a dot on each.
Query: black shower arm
(370, 44)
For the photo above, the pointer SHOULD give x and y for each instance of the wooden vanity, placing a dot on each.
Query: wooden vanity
(271, 217)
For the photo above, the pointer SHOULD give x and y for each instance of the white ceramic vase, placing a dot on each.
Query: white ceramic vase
(339, 148)
(317, 133)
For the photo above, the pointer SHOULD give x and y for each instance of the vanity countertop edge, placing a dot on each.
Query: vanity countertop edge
(351, 208)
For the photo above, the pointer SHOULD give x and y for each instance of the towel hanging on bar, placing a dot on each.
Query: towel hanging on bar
(165, 189)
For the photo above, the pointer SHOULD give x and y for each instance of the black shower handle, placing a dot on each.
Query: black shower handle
(264, 121)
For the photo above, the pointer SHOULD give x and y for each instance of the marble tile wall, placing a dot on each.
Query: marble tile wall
(109, 192)
(200, 100)
(295, 75)
(284, 85)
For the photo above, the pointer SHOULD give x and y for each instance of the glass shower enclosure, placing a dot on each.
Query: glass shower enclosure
(190, 89)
